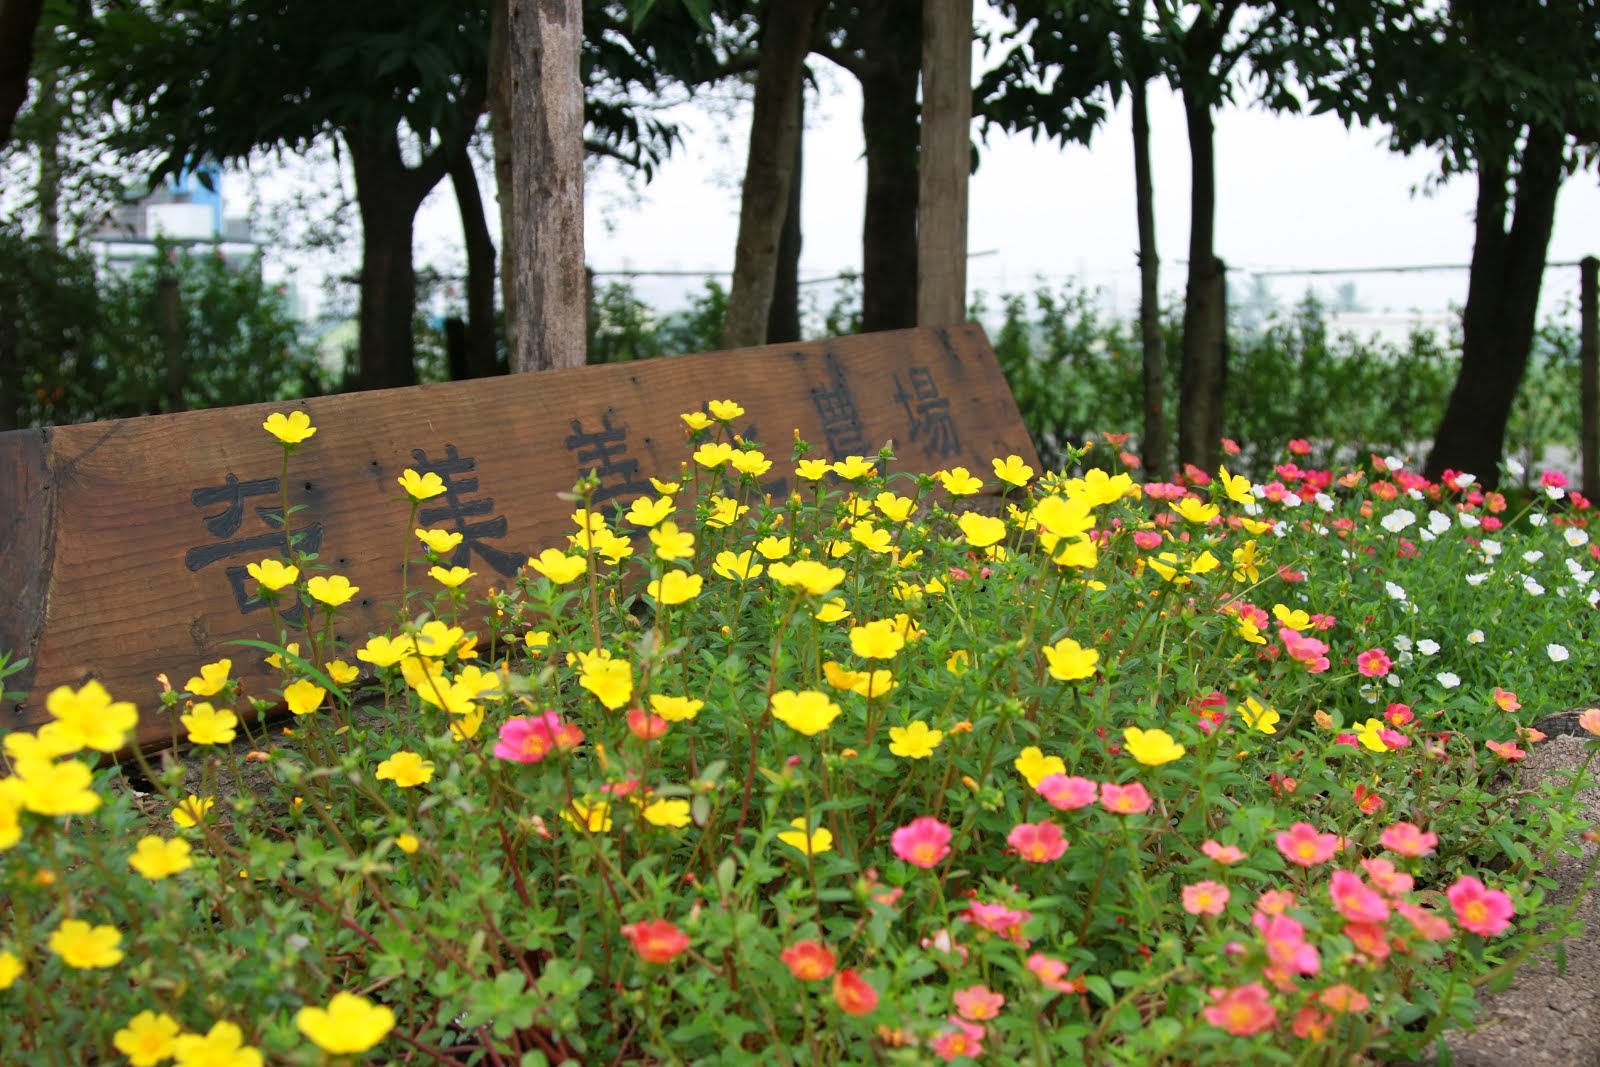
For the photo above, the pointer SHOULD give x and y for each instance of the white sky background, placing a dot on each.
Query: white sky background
(1293, 192)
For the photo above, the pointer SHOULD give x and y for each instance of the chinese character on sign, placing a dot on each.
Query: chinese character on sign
(929, 414)
(841, 423)
(232, 494)
(454, 512)
(604, 454)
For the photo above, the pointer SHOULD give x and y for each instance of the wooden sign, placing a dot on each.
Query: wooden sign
(123, 544)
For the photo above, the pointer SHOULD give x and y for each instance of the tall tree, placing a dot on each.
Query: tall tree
(1506, 90)
(19, 21)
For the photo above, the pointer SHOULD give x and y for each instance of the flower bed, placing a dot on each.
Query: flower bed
(1192, 772)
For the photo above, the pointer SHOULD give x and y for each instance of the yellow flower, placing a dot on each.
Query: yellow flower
(1035, 766)
(713, 455)
(724, 410)
(291, 429)
(148, 1038)
(592, 818)
(982, 530)
(839, 548)
(466, 725)
(536, 639)
(86, 947)
(812, 470)
(737, 566)
(481, 682)
(273, 574)
(1261, 718)
(869, 536)
(1237, 487)
(1070, 661)
(870, 684)
(1291, 618)
(673, 813)
(877, 640)
(437, 639)
(1368, 733)
(1249, 631)
(349, 1024)
(675, 709)
(818, 840)
(50, 741)
(813, 577)
(808, 711)
(191, 810)
(696, 420)
(958, 662)
(672, 543)
(1254, 527)
(10, 970)
(341, 672)
(450, 579)
(1079, 552)
(914, 741)
(407, 843)
(277, 661)
(958, 481)
(209, 726)
(212, 677)
(303, 697)
(725, 511)
(1192, 510)
(613, 548)
(55, 788)
(647, 512)
(439, 542)
(557, 566)
(1012, 470)
(674, 587)
(452, 697)
(832, 611)
(222, 1046)
(406, 769)
(852, 467)
(611, 681)
(332, 590)
(420, 487)
(752, 462)
(895, 508)
(1247, 563)
(381, 651)
(773, 547)
(1151, 747)
(89, 718)
(1062, 516)
(157, 857)
(10, 814)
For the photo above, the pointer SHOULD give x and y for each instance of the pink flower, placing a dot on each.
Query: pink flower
(1479, 909)
(645, 726)
(1370, 939)
(978, 1003)
(1305, 650)
(1299, 446)
(1303, 845)
(965, 1039)
(1373, 663)
(1242, 1011)
(1287, 947)
(944, 943)
(1398, 714)
(1506, 700)
(1274, 902)
(1205, 898)
(529, 739)
(1223, 854)
(1507, 750)
(1428, 924)
(1553, 480)
(923, 842)
(1037, 842)
(1147, 539)
(997, 919)
(1052, 973)
(656, 941)
(1131, 799)
(1067, 792)
(1355, 900)
(1408, 840)
(1386, 878)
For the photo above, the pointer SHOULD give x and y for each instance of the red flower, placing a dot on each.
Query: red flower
(853, 993)
(809, 961)
(656, 941)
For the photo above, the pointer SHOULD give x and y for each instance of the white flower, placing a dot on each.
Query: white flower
(1397, 520)
(1557, 653)
(1490, 549)
(1593, 598)
(1395, 592)
(1514, 467)
(1537, 518)
(1554, 492)
(1575, 537)
(1448, 680)
(1427, 646)
(1403, 643)
(1533, 588)
(1470, 521)
(1404, 658)
(1394, 463)
(1438, 522)
(1415, 494)
(1579, 575)
(1477, 579)
(1327, 503)
(1464, 480)
(1475, 637)
(1533, 555)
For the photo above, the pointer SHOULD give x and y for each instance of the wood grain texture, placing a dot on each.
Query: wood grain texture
(119, 568)
(946, 161)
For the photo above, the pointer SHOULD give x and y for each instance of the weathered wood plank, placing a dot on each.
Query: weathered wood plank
(124, 543)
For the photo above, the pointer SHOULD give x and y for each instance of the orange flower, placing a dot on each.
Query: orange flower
(809, 961)
(656, 941)
(853, 993)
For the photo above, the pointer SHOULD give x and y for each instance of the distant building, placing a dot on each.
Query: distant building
(185, 209)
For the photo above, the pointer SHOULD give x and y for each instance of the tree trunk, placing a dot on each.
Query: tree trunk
(548, 284)
(1202, 375)
(1502, 309)
(892, 61)
(19, 22)
(481, 359)
(783, 320)
(500, 136)
(388, 194)
(49, 108)
(1153, 443)
(785, 40)
(946, 162)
